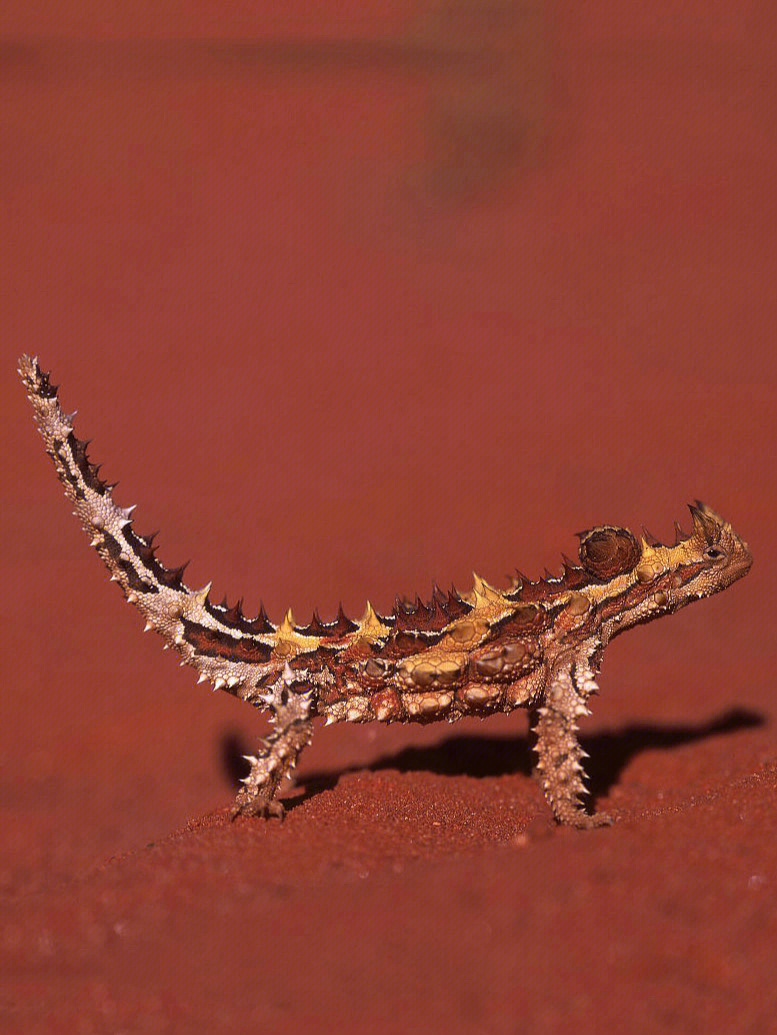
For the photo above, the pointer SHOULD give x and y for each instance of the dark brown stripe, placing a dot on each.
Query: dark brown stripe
(416, 617)
(614, 605)
(406, 642)
(312, 661)
(635, 595)
(625, 600)
(690, 571)
(87, 469)
(333, 650)
(543, 591)
(572, 577)
(575, 577)
(44, 388)
(214, 644)
(63, 469)
(336, 630)
(528, 618)
(234, 618)
(147, 557)
(134, 580)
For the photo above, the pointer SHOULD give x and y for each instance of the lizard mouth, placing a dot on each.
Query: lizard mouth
(741, 565)
(747, 560)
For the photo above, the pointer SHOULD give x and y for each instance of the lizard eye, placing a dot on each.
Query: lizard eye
(712, 553)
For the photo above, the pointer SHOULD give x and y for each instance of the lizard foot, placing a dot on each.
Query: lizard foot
(246, 805)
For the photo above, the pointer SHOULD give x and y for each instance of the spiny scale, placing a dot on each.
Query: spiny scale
(537, 645)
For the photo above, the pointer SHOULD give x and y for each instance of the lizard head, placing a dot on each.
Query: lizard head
(649, 579)
(705, 562)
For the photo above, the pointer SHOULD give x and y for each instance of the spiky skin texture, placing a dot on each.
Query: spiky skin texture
(537, 645)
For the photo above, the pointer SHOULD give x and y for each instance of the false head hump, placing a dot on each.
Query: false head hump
(607, 551)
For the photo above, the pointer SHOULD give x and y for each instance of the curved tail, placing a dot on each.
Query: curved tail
(232, 651)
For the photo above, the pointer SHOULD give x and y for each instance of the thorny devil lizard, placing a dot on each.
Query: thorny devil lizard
(537, 645)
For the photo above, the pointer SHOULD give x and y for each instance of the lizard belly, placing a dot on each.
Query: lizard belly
(439, 684)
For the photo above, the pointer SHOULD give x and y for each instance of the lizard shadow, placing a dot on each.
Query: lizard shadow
(483, 756)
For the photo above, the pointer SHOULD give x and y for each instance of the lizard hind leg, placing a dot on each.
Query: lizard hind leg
(559, 767)
(278, 752)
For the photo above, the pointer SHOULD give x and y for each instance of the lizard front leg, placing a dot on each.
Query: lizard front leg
(559, 769)
(278, 752)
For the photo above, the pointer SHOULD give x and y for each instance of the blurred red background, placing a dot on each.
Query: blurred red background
(352, 298)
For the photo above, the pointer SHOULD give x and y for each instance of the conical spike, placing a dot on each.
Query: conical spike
(262, 624)
(315, 626)
(457, 606)
(342, 625)
(173, 577)
(286, 628)
(201, 595)
(516, 582)
(370, 624)
(403, 613)
(423, 612)
(705, 523)
(653, 540)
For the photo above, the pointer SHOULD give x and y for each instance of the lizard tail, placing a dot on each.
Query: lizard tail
(227, 648)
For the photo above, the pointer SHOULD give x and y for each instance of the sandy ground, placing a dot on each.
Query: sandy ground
(354, 297)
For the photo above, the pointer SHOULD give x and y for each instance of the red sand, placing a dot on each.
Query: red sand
(352, 299)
